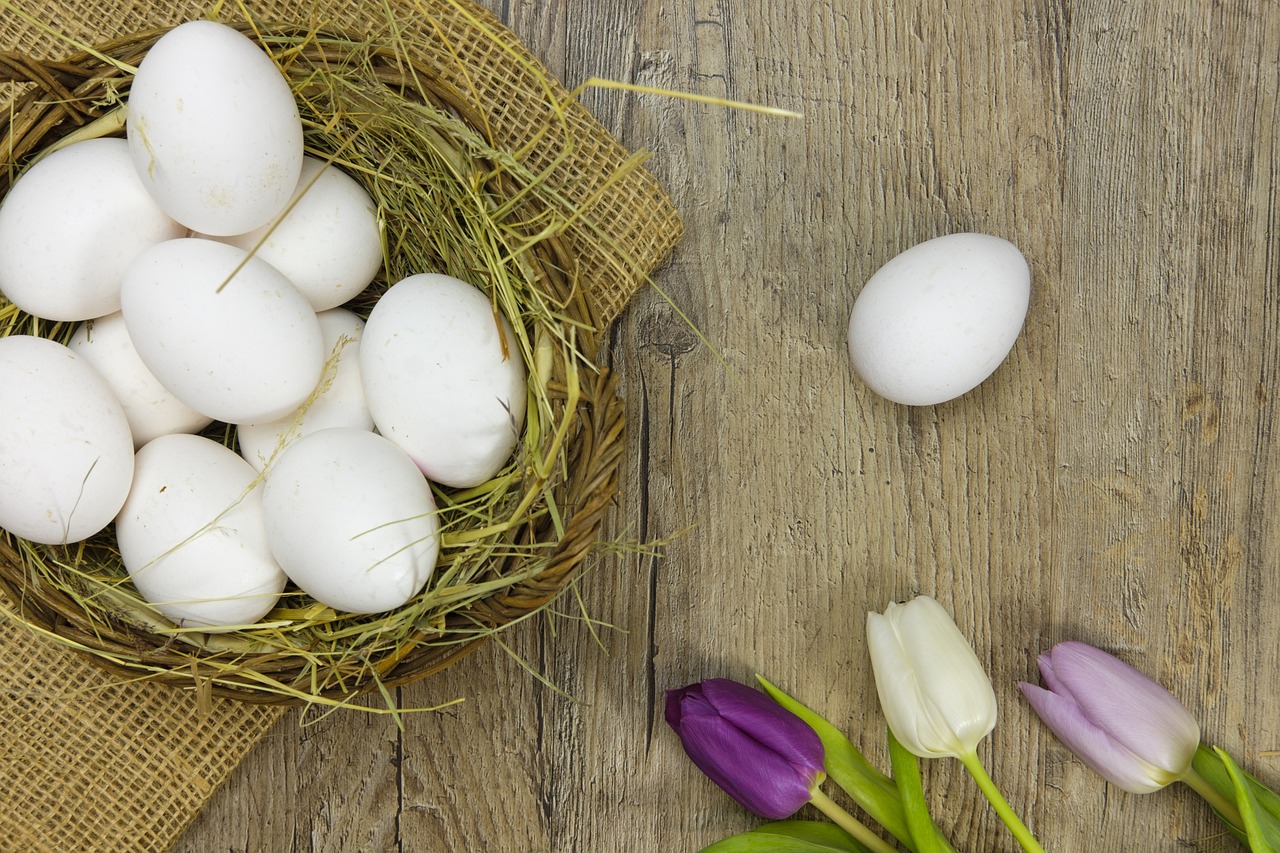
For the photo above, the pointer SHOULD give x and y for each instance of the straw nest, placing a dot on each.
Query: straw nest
(452, 202)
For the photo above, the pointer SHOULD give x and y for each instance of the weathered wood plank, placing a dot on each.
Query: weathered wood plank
(1169, 346)
(1113, 482)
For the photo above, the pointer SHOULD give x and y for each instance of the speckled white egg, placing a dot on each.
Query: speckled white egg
(327, 243)
(151, 408)
(70, 226)
(438, 380)
(938, 319)
(339, 403)
(192, 535)
(352, 520)
(245, 352)
(66, 455)
(214, 130)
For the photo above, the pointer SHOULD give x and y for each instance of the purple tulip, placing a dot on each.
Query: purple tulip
(1125, 726)
(764, 756)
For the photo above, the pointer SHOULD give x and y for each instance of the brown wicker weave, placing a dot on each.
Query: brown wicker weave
(64, 96)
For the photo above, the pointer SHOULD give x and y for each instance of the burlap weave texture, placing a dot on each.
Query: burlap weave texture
(87, 764)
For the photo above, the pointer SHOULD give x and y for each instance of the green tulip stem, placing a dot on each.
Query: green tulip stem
(1213, 797)
(999, 803)
(848, 822)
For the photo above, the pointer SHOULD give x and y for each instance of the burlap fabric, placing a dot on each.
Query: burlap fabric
(90, 764)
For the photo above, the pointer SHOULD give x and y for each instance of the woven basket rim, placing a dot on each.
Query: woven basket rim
(54, 105)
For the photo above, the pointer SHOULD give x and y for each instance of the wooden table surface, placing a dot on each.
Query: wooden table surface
(1117, 480)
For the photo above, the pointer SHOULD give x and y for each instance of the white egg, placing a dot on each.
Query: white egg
(151, 409)
(192, 535)
(245, 352)
(66, 455)
(327, 243)
(438, 380)
(352, 520)
(340, 402)
(70, 226)
(214, 130)
(938, 319)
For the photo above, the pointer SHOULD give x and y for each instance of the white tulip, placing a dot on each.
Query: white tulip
(936, 697)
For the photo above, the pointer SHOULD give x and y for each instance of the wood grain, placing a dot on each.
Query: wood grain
(1115, 481)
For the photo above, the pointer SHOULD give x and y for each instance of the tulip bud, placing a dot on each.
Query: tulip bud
(937, 698)
(1125, 726)
(761, 754)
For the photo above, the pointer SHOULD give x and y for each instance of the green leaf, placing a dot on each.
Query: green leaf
(874, 792)
(1266, 798)
(1260, 825)
(1212, 768)
(906, 769)
(1207, 763)
(790, 836)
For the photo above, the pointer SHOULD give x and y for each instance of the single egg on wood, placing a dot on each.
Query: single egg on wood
(352, 520)
(66, 453)
(938, 319)
(71, 225)
(192, 535)
(444, 378)
(213, 129)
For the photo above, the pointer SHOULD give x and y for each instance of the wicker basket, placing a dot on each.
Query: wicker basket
(548, 547)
